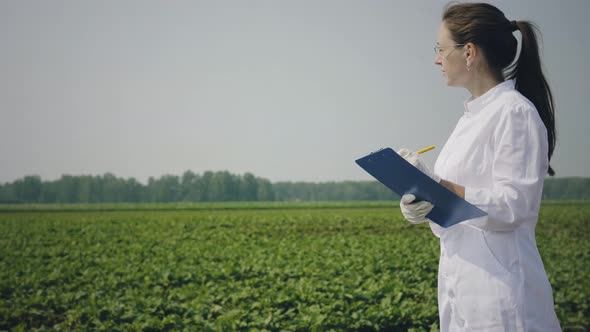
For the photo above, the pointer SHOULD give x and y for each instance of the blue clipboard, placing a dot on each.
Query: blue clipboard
(403, 178)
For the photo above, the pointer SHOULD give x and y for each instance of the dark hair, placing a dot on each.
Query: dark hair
(486, 26)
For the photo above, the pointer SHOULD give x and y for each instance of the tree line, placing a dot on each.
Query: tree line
(221, 186)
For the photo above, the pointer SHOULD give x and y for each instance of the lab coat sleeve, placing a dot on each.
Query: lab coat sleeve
(518, 170)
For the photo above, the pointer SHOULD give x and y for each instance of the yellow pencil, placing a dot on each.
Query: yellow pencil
(426, 149)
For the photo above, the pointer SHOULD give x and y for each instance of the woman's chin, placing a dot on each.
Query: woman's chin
(450, 82)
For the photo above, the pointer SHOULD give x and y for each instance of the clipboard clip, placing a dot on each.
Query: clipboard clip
(372, 154)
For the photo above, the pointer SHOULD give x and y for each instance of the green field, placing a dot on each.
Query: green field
(225, 267)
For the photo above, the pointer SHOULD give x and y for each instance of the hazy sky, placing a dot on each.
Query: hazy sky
(287, 90)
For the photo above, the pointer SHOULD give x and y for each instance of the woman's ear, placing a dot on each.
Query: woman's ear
(470, 53)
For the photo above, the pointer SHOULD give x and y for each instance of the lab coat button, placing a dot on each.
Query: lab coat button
(451, 294)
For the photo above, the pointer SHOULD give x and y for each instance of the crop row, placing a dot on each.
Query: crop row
(277, 269)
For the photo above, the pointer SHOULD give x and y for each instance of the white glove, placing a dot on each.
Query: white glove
(415, 213)
(414, 159)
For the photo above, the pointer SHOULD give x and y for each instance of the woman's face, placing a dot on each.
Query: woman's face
(450, 57)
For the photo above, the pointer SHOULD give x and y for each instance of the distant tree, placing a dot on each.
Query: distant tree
(206, 184)
(112, 188)
(189, 185)
(85, 189)
(134, 191)
(165, 189)
(7, 194)
(49, 192)
(32, 188)
(265, 191)
(230, 185)
(248, 188)
(221, 187)
(67, 189)
(567, 188)
(195, 189)
(18, 187)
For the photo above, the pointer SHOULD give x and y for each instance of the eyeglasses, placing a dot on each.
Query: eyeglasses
(438, 49)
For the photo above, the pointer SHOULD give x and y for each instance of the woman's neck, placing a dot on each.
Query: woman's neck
(483, 84)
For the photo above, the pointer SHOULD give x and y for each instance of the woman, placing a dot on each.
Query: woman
(491, 277)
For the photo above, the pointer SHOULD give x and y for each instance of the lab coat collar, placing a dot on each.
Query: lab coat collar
(474, 105)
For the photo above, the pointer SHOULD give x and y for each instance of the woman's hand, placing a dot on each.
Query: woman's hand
(415, 213)
(414, 159)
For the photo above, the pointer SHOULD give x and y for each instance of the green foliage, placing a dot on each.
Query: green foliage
(191, 187)
(567, 188)
(322, 267)
(333, 191)
(221, 187)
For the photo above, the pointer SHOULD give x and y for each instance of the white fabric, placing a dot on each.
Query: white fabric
(491, 277)
(415, 213)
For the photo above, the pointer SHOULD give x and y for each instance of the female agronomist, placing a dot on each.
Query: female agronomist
(491, 277)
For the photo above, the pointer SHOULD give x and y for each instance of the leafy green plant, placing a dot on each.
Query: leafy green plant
(238, 267)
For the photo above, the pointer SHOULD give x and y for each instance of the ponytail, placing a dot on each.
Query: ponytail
(531, 83)
(487, 27)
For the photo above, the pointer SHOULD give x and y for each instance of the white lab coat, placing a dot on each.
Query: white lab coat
(491, 277)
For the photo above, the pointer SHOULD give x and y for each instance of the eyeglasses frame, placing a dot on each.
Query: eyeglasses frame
(438, 49)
